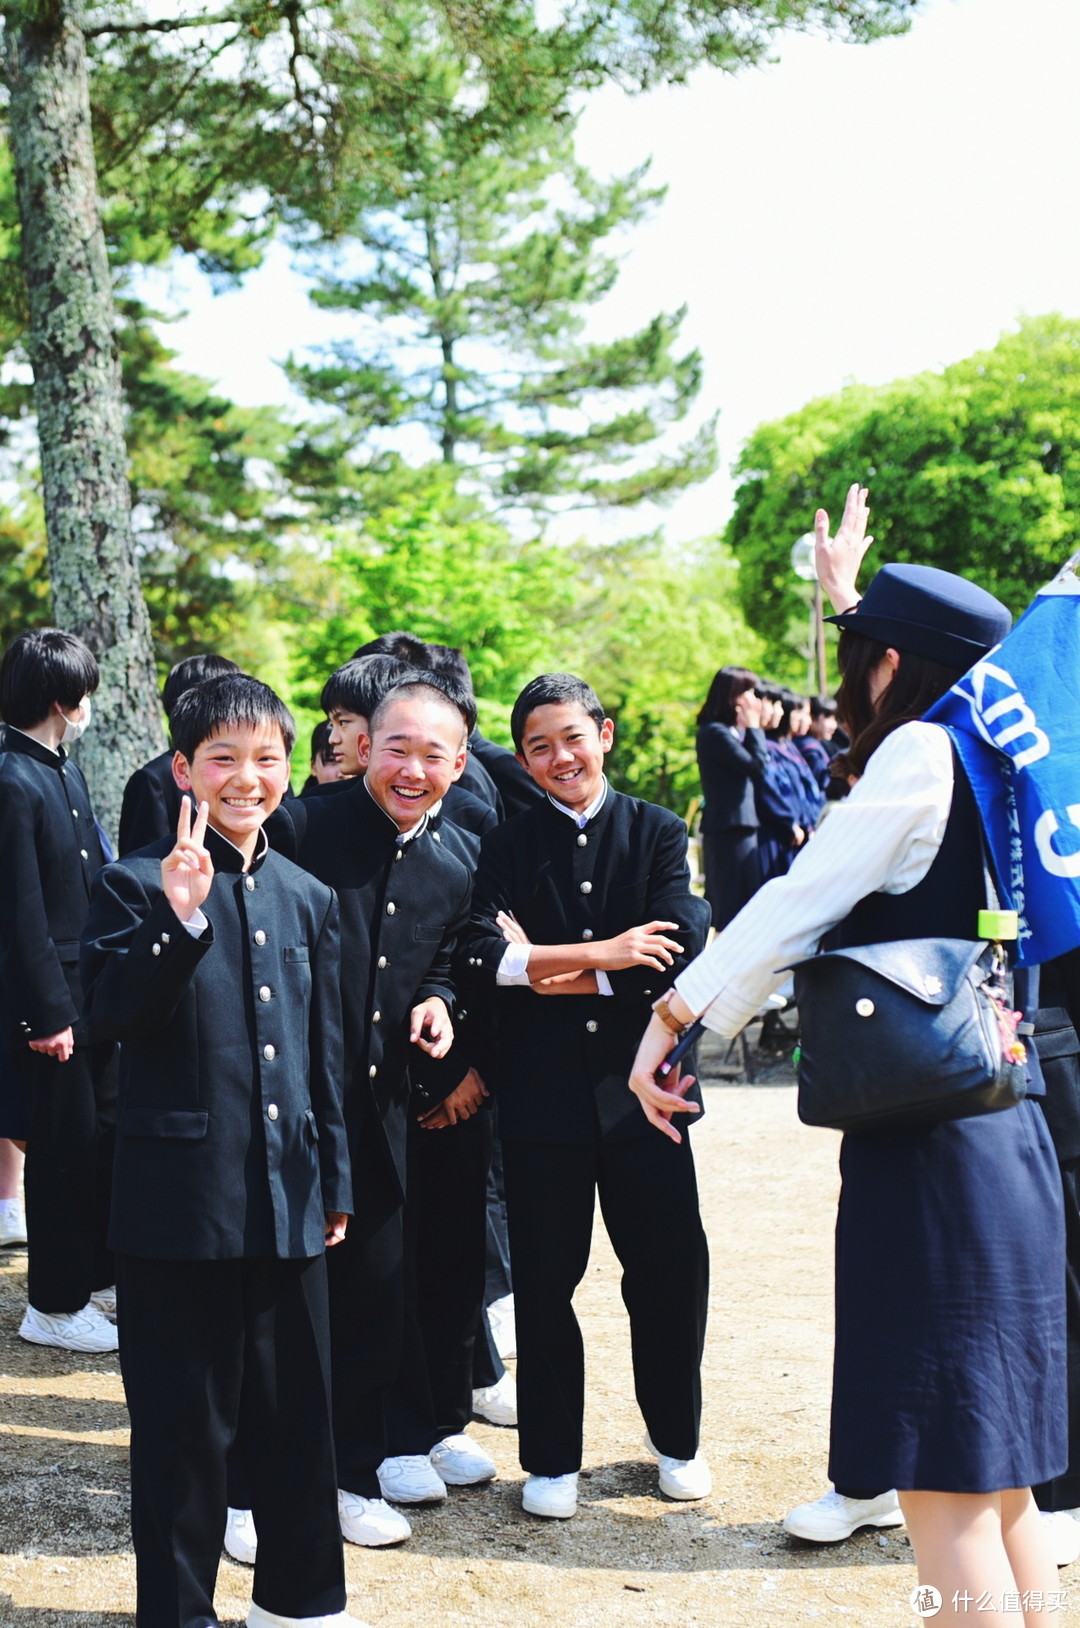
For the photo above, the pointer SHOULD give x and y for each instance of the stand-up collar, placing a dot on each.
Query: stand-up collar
(587, 818)
(16, 740)
(226, 856)
(400, 837)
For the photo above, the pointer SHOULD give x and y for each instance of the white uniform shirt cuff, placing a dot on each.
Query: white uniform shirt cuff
(514, 966)
(196, 925)
(603, 983)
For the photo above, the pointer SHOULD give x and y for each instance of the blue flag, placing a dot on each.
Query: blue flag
(1015, 719)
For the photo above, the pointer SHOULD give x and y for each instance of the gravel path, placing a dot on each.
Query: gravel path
(629, 1558)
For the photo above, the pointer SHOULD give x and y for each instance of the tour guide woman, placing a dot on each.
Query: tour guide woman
(949, 1371)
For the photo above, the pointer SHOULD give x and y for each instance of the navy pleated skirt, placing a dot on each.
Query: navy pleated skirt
(950, 1371)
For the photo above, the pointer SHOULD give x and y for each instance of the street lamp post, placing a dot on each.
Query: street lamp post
(804, 567)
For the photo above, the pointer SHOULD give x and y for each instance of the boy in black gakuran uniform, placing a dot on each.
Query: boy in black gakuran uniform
(404, 904)
(583, 903)
(49, 853)
(216, 964)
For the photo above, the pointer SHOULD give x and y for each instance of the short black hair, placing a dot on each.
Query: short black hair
(320, 743)
(407, 647)
(553, 690)
(191, 671)
(448, 660)
(222, 703)
(41, 666)
(822, 706)
(360, 684)
(414, 681)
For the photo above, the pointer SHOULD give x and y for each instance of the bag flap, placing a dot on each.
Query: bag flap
(931, 969)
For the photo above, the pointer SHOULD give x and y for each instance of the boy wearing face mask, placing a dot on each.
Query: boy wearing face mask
(49, 853)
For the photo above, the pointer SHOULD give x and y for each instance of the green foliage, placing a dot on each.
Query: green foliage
(468, 269)
(642, 42)
(651, 626)
(975, 469)
(206, 496)
(435, 564)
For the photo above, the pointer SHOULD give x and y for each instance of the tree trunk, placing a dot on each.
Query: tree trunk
(80, 410)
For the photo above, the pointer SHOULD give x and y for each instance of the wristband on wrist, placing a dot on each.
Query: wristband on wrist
(666, 1015)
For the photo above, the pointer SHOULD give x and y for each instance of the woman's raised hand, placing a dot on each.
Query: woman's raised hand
(838, 558)
(188, 871)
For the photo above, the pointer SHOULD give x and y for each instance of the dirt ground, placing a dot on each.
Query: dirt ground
(629, 1558)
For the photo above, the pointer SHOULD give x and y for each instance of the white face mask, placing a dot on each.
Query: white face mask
(75, 729)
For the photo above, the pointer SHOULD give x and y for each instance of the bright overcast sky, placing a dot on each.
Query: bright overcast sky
(847, 213)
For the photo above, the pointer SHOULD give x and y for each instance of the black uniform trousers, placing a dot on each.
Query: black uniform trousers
(648, 1197)
(71, 1110)
(445, 1264)
(192, 1334)
(488, 1366)
(367, 1310)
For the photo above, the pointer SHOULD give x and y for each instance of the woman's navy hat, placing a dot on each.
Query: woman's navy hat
(930, 613)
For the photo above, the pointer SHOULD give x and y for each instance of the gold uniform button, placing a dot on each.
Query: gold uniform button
(265, 992)
(269, 1053)
(260, 937)
(592, 1025)
(164, 938)
(586, 887)
(155, 949)
(272, 1111)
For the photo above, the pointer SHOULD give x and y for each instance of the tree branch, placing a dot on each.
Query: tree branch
(166, 25)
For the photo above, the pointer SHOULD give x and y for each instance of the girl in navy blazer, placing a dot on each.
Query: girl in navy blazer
(732, 760)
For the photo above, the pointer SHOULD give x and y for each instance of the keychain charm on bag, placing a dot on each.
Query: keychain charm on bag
(1000, 926)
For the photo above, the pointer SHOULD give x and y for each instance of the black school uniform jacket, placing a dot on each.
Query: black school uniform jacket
(49, 854)
(151, 805)
(403, 909)
(230, 1131)
(515, 787)
(564, 1060)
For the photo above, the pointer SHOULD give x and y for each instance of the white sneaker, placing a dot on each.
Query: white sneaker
(1063, 1534)
(85, 1330)
(370, 1522)
(257, 1617)
(500, 1314)
(497, 1403)
(833, 1518)
(462, 1462)
(554, 1496)
(411, 1478)
(105, 1301)
(241, 1539)
(12, 1224)
(685, 1478)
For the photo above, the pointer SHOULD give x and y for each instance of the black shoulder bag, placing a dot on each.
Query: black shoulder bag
(907, 1033)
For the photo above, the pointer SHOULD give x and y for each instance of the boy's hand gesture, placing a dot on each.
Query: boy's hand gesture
(430, 1027)
(466, 1099)
(644, 946)
(187, 872)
